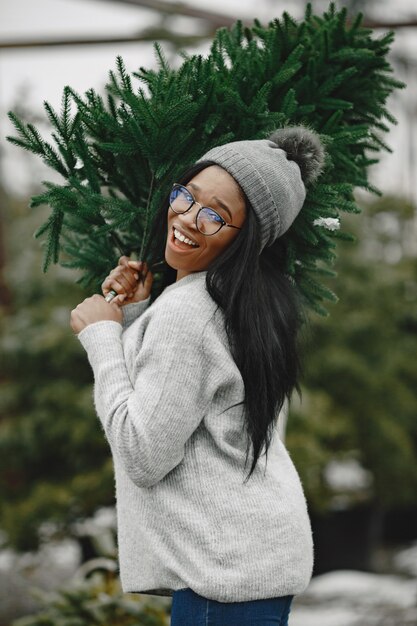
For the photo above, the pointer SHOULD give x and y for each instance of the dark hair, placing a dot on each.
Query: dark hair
(262, 313)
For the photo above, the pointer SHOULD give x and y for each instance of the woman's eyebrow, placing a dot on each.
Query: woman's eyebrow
(219, 202)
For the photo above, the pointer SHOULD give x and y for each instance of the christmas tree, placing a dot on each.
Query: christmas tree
(119, 154)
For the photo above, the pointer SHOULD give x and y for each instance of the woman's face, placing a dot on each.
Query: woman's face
(215, 188)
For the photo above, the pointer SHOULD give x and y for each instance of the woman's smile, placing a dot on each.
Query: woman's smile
(180, 246)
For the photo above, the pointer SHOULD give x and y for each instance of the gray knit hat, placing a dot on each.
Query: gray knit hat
(273, 173)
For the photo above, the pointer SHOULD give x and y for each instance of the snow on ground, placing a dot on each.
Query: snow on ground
(353, 598)
(406, 560)
(364, 588)
(52, 566)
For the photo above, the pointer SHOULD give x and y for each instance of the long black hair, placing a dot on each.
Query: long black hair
(262, 311)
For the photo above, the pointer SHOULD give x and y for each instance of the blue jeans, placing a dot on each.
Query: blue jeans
(190, 609)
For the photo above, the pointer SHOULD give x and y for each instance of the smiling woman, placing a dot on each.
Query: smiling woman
(193, 220)
(197, 375)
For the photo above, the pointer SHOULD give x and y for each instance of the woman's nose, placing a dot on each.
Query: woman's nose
(190, 217)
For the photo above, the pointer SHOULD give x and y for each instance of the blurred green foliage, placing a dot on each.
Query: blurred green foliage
(55, 464)
(98, 601)
(360, 365)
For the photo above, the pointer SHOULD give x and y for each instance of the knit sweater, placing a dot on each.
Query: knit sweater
(169, 397)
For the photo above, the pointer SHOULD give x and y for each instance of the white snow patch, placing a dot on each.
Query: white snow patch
(406, 560)
(347, 474)
(362, 588)
(324, 616)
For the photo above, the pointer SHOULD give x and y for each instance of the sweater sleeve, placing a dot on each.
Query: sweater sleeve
(147, 421)
(134, 310)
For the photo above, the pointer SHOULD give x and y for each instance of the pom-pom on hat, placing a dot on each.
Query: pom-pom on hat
(273, 173)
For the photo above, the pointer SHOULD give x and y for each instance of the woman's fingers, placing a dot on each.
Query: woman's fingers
(119, 300)
(123, 260)
(141, 268)
(129, 278)
(136, 266)
(119, 283)
(112, 284)
(124, 269)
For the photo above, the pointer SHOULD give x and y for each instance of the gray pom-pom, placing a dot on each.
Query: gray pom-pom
(303, 146)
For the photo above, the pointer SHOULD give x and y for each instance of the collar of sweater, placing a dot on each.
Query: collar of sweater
(185, 280)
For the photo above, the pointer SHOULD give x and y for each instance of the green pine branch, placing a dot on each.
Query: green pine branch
(119, 154)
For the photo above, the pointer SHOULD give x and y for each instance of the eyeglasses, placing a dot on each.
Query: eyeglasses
(208, 221)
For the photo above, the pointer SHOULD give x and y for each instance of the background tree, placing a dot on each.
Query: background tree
(54, 462)
(119, 156)
(360, 377)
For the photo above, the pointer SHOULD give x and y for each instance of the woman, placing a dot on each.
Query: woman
(185, 383)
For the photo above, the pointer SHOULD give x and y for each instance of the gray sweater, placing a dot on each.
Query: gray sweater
(169, 397)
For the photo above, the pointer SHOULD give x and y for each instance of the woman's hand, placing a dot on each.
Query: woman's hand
(94, 309)
(125, 279)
